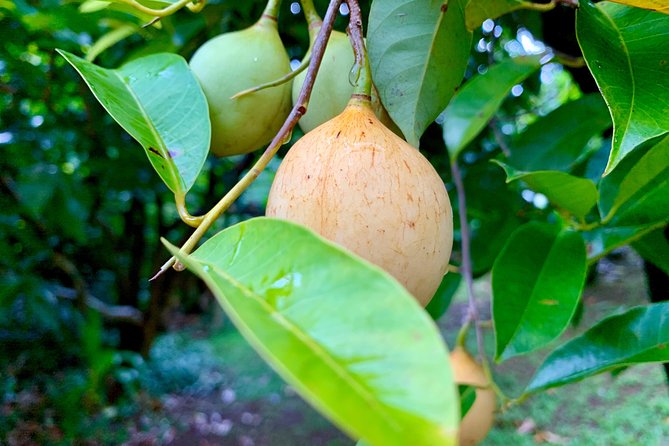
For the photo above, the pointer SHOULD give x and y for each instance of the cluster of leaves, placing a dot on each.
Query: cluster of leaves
(549, 191)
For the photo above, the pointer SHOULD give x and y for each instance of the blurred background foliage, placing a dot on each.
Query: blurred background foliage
(81, 210)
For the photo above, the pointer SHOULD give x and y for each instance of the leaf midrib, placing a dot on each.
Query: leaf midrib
(154, 132)
(316, 349)
(532, 294)
(630, 70)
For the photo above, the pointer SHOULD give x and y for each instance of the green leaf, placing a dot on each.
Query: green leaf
(344, 333)
(556, 141)
(654, 247)
(478, 100)
(467, 399)
(600, 241)
(573, 194)
(639, 335)
(626, 50)
(638, 191)
(537, 281)
(444, 295)
(478, 11)
(418, 52)
(159, 102)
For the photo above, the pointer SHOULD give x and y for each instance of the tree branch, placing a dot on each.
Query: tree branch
(299, 109)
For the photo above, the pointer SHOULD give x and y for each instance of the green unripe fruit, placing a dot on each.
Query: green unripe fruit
(232, 62)
(332, 89)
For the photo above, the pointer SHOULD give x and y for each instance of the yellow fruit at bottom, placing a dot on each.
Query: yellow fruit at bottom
(479, 419)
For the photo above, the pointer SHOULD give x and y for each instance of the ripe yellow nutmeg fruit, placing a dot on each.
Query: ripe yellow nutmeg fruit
(235, 61)
(355, 182)
(479, 419)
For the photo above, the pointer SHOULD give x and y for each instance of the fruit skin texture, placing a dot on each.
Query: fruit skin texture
(479, 419)
(235, 61)
(356, 183)
(333, 89)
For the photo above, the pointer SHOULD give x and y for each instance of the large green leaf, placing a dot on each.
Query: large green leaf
(627, 51)
(638, 191)
(478, 100)
(418, 53)
(573, 194)
(654, 5)
(537, 281)
(345, 334)
(654, 247)
(639, 335)
(160, 103)
(556, 141)
(604, 239)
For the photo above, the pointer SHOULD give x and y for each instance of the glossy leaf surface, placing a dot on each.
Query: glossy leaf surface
(638, 191)
(639, 335)
(345, 334)
(478, 100)
(556, 141)
(158, 102)
(573, 194)
(627, 51)
(537, 281)
(418, 52)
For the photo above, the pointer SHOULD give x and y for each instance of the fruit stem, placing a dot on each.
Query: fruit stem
(168, 10)
(313, 19)
(186, 217)
(299, 109)
(363, 76)
(271, 12)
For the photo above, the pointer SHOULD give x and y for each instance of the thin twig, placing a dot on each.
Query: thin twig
(466, 266)
(299, 109)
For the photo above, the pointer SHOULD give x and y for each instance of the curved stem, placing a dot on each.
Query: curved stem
(299, 109)
(282, 80)
(363, 76)
(168, 10)
(541, 7)
(186, 217)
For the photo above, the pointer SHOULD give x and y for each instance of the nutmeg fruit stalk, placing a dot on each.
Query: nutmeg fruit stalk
(358, 184)
(236, 61)
(479, 419)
